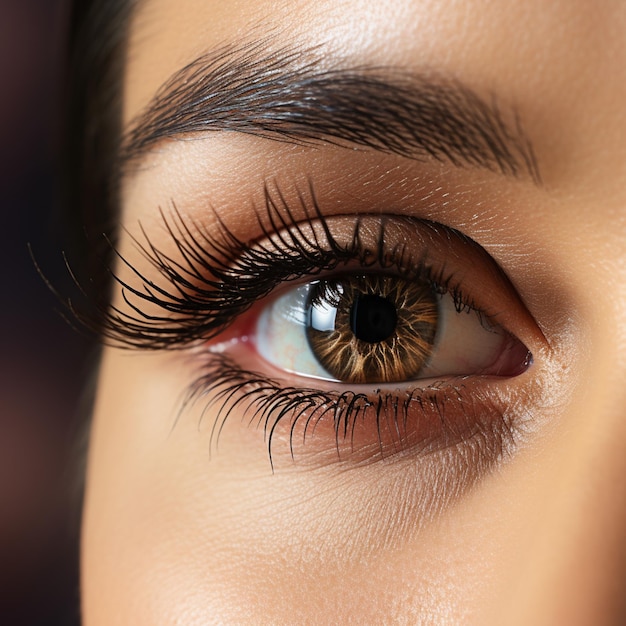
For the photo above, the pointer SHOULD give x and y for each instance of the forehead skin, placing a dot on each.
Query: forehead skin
(171, 538)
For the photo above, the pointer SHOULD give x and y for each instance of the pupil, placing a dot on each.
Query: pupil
(373, 318)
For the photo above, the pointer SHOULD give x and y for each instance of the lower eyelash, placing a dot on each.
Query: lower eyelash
(368, 426)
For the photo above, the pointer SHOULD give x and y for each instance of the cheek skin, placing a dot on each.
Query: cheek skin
(171, 533)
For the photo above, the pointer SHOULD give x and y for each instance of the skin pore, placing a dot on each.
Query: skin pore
(493, 499)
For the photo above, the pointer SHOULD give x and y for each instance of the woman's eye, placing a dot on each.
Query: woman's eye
(324, 325)
(377, 329)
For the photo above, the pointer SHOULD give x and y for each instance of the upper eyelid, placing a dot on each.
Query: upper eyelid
(191, 304)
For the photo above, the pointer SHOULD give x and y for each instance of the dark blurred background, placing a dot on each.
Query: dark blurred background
(43, 361)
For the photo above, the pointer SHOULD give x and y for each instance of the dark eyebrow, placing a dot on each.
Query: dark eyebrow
(292, 96)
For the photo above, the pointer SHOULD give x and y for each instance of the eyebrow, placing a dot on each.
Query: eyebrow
(292, 96)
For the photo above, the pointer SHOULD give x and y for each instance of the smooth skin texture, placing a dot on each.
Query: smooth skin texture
(176, 533)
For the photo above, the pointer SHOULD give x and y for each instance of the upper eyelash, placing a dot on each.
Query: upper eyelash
(218, 276)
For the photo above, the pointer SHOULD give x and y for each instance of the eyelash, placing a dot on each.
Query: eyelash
(225, 384)
(219, 277)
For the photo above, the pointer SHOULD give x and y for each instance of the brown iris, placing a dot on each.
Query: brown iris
(372, 329)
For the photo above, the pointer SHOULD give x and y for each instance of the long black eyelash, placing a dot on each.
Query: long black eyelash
(217, 276)
(266, 403)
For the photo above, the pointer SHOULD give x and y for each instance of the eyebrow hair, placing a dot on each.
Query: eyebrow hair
(278, 96)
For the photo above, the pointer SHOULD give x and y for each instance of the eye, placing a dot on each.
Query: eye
(350, 338)
(374, 328)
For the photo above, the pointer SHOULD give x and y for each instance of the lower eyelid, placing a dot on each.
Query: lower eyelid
(417, 480)
(316, 427)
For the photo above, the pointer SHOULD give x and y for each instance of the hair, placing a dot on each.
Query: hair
(96, 58)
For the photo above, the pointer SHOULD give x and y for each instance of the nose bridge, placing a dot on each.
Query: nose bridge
(575, 573)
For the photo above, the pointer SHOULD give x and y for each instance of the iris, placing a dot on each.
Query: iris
(372, 328)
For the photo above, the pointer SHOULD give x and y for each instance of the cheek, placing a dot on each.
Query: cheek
(151, 535)
(175, 532)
